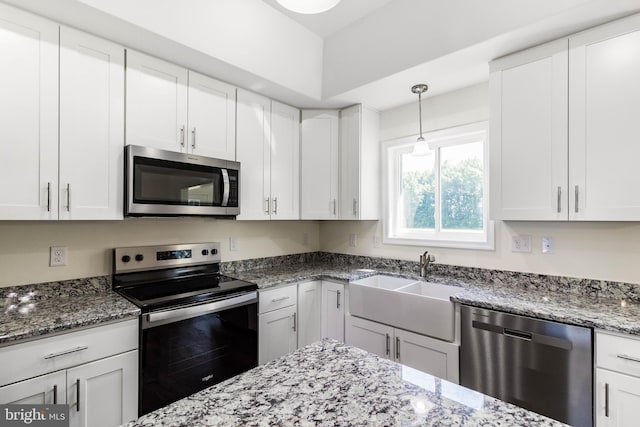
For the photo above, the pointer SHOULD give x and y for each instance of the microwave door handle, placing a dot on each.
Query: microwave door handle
(225, 186)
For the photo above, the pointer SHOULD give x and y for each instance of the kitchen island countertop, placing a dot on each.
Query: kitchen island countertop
(329, 383)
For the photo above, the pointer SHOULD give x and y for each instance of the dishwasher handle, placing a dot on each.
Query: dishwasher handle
(534, 338)
(513, 333)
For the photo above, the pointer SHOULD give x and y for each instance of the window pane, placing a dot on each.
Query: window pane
(418, 191)
(461, 176)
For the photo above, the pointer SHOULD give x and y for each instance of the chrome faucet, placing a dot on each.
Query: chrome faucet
(425, 259)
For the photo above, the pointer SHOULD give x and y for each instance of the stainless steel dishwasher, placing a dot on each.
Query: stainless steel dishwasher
(543, 366)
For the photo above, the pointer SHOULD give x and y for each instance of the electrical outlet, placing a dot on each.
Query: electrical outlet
(57, 256)
(376, 241)
(233, 244)
(305, 239)
(353, 240)
(548, 245)
(521, 243)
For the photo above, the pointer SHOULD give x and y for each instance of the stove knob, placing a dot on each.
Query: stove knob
(126, 258)
(139, 257)
(205, 252)
(214, 251)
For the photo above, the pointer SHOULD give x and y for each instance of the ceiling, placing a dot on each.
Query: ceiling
(333, 20)
(362, 51)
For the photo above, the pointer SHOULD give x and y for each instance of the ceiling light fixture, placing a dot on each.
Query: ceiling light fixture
(420, 148)
(308, 6)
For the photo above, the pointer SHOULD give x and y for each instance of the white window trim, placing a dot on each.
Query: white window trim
(452, 239)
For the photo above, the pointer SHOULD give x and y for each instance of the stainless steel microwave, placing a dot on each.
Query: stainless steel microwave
(167, 183)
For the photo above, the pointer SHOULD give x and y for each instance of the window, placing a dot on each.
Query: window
(440, 199)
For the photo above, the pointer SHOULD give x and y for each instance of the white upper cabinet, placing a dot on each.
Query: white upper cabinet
(320, 131)
(172, 108)
(529, 134)
(285, 161)
(156, 103)
(604, 125)
(28, 116)
(253, 153)
(212, 117)
(359, 164)
(268, 149)
(91, 127)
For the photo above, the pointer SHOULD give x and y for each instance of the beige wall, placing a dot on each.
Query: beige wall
(608, 251)
(24, 246)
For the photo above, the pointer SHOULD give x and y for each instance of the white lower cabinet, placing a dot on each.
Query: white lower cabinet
(277, 323)
(332, 317)
(420, 352)
(309, 313)
(95, 371)
(617, 389)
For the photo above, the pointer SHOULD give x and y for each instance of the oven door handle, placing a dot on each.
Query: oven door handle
(150, 320)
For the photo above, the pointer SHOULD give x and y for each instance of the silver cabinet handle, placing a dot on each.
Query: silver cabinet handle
(338, 299)
(78, 395)
(334, 207)
(182, 136)
(629, 358)
(275, 205)
(55, 394)
(388, 342)
(294, 321)
(577, 192)
(355, 207)
(606, 400)
(559, 199)
(279, 299)
(193, 142)
(65, 352)
(48, 197)
(68, 197)
(397, 349)
(266, 204)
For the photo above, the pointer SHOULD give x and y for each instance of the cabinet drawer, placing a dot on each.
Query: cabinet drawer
(46, 355)
(274, 299)
(618, 353)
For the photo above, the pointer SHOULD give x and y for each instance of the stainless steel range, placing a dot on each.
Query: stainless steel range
(197, 327)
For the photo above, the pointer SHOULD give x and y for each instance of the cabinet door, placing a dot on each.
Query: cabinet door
(104, 392)
(371, 336)
(604, 107)
(622, 395)
(428, 355)
(277, 334)
(309, 303)
(212, 117)
(156, 103)
(91, 127)
(45, 389)
(528, 100)
(319, 165)
(350, 162)
(28, 116)
(254, 113)
(332, 311)
(285, 161)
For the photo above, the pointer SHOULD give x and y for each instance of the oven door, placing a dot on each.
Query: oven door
(167, 183)
(185, 350)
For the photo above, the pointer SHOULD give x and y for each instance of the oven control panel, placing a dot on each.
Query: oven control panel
(157, 257)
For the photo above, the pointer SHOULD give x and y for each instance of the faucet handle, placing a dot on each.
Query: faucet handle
(431, 258)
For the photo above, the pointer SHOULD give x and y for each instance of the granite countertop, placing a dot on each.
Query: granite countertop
(511, 294)
(329, 383)
(34, 311)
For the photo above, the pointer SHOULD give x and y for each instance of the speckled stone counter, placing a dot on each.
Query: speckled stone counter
(330, 384)
(599, 304)
(33, 311)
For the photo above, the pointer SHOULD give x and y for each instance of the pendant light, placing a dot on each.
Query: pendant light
(420, 148)
(308, 6)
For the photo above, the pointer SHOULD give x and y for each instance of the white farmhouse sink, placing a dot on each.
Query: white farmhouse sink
(416, 306)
